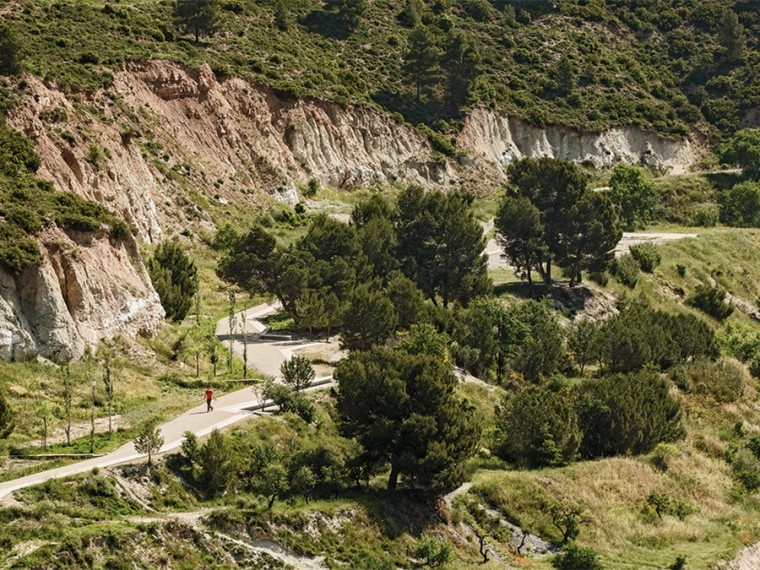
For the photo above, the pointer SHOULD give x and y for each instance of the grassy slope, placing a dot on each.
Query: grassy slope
(633, 64)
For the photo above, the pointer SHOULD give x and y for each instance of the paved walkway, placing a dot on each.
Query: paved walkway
(228, 409)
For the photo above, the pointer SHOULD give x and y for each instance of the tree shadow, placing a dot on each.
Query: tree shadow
(568, 300)
(326, 24)
(396, 513)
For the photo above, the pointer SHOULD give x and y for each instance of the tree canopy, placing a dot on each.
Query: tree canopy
(440, 245)
(403, 411)
(548, 216)
(174, 277)
(200, 17)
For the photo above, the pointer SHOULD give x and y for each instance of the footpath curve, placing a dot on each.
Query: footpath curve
(265, 356)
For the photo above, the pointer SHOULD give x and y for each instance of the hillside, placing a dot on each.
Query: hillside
(516, 242)
(664, 66)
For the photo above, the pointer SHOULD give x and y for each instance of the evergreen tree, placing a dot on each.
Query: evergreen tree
(553, 187)
(539, 427)
(593, 234)
(634, 196)
(541, 350)
(521, 235)
(369, 319)
(281, 15)
(402, 409)
(10, 51)
(412, 14)
(297, 373)
(406, 298)
(217, 467)
(461, 62)
(173, 276)
(731, 36)
(565, 75)
(622, 415)
(441, 245)
(350, 12)
(199, 17)
(422, 60)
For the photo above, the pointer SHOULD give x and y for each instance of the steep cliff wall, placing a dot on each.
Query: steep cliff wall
(86, 289)
(499, 139)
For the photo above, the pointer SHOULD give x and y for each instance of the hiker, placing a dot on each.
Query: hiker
(209, 397)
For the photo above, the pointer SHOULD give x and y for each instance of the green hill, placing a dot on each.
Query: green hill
(665, 65)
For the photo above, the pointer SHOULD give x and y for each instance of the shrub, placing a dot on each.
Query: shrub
(740, 206)
(647, 255)
(539, 427)
(17, 154)
(710, 300)
(435, 553)
(626, 270)
(639, 335)
(574, 557)
(750, 480)
(705, 215)
(624, 414)
(174, 277)
(724, 380)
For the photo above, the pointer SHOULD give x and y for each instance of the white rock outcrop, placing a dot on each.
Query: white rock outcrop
(498, 138)
(87, 288)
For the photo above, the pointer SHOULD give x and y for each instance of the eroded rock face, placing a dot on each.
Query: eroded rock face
(87, 288)
(500, 139)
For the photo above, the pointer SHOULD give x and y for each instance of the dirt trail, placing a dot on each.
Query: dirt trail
(657, 238)
(269, 548)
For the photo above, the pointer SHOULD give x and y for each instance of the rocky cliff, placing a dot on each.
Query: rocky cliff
(171, 148)
(499, 139)
(86, 289)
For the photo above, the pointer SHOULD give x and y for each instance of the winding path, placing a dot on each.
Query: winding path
(266, 356)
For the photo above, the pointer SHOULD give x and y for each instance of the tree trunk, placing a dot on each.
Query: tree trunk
(393, 478)
(548, 276)
(271, 501)
(197, 365)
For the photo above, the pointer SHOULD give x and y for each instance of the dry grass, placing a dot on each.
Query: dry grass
(613, 494)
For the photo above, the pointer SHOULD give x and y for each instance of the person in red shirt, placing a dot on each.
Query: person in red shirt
(209, 397)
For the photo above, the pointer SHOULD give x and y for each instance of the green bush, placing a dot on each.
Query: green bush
(174, 277)
(627, 414)
(539, 428)
(740, 205)
(626, 270)
(574, 557)
(710, 299)
(647, 255)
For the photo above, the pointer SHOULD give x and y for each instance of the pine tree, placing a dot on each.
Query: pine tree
(297, 372)
(422, 60)
(10, 51)
(369, 319)
(402, 409)
(200, 17)
(174, 277)
(217, 466)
